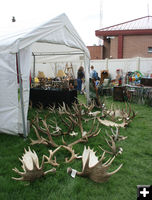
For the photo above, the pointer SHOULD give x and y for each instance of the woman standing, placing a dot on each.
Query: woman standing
(80, 78)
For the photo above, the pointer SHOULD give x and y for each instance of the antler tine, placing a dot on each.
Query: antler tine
(92, 105)
(78, 141)
(108, 141)
(46, 116)
(75, 107)
(134, 114)
(40, 106)
(109, 162)
(50, 158)
(17, 179)
(111, 173)
(107, 133)
(104, 150)
(51, 170)
(73, 155)
(63, 141)
(51, 108)
(36, 132)
(94, 133)
(17, 171)
(40, 140)
(102, 157)
(92, 127)
(49, 134)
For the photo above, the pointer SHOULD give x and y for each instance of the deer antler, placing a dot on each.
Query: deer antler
(94, 169)
(31, 168)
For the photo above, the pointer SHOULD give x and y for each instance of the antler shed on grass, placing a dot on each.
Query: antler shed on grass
(41, 140)
(31, 168)
(93, 168)
(111, 123)
(50, 159)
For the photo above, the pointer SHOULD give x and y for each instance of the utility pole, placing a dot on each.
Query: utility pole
(100, 20)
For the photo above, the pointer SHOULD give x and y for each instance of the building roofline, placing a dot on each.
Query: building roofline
(124, 32)
(123, 23)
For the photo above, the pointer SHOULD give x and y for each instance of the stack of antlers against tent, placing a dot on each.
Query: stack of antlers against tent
(55, 37)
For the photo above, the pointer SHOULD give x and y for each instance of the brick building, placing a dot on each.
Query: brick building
(126, 40)
(96, 52)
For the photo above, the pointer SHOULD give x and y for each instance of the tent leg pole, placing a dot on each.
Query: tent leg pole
(21, 94)
(33, 65)
(87, 74)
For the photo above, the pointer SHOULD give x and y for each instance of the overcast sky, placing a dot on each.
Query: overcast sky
(83, 14)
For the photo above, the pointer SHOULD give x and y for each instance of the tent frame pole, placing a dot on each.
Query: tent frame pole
(87, 74)
(21, 94)
(33, 65)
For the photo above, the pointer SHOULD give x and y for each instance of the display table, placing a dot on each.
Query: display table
(119, 93)
(106, 91)
(52, 97)
(139, 94)
(146, 81)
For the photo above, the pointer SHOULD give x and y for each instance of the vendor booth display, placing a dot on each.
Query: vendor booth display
(53, 91)
(133, 78)
(139, 94)
(51, 97)
(56, 37)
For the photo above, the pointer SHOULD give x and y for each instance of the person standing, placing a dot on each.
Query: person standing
(93, 73)
(80, 78)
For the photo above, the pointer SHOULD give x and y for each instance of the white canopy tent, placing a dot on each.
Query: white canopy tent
(56, 37)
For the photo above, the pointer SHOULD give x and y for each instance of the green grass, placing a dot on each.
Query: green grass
(136, 159)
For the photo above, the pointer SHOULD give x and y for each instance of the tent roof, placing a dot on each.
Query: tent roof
(55, 36)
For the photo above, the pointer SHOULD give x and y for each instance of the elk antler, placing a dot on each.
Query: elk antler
(116, 136)
(31, 168)
(85, 135)
(119, 114)
(94, 169)
(88, 108)
(112, 145)
(73, 155)
(42, 140)
(50, 158)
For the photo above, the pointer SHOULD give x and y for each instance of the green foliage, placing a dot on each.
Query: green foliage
(136, 159)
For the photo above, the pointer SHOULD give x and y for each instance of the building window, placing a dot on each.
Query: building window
(149, 49)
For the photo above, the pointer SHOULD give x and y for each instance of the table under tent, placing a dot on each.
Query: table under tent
(54, 76)
(54, 37)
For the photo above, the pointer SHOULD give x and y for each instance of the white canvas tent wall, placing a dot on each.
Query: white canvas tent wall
(56, 36)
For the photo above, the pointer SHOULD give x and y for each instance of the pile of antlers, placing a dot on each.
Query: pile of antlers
(117, 117)
(47, 130)
(70, 118)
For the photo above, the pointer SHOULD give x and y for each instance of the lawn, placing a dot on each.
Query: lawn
(136, 159)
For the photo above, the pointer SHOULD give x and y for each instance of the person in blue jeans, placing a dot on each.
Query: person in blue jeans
(80, 78)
